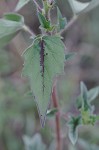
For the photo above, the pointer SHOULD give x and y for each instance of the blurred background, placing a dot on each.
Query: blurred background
(19, 120)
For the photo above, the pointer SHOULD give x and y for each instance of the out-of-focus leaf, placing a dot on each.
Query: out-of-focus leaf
(20, 4)
(85, 103)
(83, 90)
(78, 7)
(93, 4)
(88, 117)
(10, 24)
(33, 143)
(79, 102)
(87, 146)
(69, 56)
(93, 93)
(61, 22)
(73, 129)
(51, 112)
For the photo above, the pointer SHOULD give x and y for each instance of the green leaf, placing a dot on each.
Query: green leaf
(10, 25)
(88, 117)
(93, 93)
(34, 143)
(73, 129)
(69, 56)
(85, 102)
(79, 102)
(44, 59)
(20, 4)
(51, 112)
(61, 22)
(44, 22)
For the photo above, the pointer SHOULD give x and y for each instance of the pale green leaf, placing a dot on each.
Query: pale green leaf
(73, 129)
(10, 24)
(61, 22)
(69, 56)
(93, 4)
(85, 102)
(44, 59)
(34, 143)
(93, 93)
(51, 112)
(78, 7)
(20, 4)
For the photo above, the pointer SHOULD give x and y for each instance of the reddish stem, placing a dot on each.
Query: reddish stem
(57, 118)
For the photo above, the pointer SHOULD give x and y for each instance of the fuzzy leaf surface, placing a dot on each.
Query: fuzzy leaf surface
(10, 24)
(44, 59)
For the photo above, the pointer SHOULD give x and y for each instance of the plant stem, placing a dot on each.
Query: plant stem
(57, 118)
(37, 5)
(27, 29)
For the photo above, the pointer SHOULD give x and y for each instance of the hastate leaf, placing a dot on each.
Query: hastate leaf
(73, 128)
(44, 59)
(10, 24)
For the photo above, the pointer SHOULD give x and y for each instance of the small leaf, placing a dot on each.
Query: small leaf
(51, 112)
(44, 59)
(44, 22)
(61, 22)
(69, 56)
(79, 102)
(85, 103)
(93, 93)
(34, 143)
(73, 129)
(20, 4)
(10, 25)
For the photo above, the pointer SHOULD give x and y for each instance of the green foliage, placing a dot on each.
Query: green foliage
(21, 4)
(44, 22)
(93, 93)
(61, 22)
(78, 7)
(51, 112)
(84, 104)
(73, 124)
(92, 5)
(10, 25)
(69, 56)
(44, 59)
(33, 143)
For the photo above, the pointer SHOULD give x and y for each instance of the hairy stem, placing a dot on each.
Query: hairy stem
(57, 118)
(27, 29)
(37, 5)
